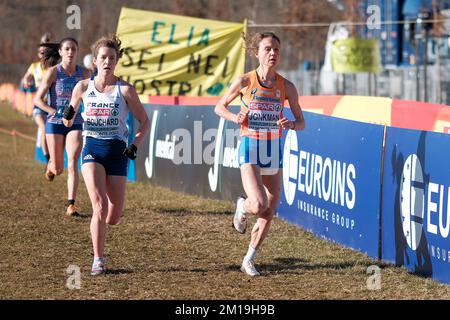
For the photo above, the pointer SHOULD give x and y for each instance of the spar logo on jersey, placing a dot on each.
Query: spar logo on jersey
(261, 106)
(278, 107)
(100, 112)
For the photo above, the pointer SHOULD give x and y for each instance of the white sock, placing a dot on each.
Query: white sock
(251, 254)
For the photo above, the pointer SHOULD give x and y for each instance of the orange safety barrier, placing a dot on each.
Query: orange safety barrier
(21, 101)
(6, 91)
(381, 110)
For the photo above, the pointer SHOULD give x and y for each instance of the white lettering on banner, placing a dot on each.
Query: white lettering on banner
(290, 167)
(187, 145)
(434, 207)
(324, 214)
(226, 156)
(314, 210)
(214, 173)
(150, 160)
(412, 199)
(230, 157)
(439, 253)
(179, 145)
(327, 179)
(183, 149)
(165, 148)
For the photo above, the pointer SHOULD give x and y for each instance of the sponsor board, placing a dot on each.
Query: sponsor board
(191, 150)
(416, 200)
(331, 180)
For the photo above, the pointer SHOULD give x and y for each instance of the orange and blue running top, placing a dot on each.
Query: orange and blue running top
(264, 107)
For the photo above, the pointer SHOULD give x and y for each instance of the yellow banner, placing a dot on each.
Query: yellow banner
(173, 55)
(355, 55)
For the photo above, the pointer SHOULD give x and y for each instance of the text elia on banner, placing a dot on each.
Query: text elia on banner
(171, 55)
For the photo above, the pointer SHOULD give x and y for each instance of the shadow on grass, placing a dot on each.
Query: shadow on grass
(288, 265)
(186, 212)
(185, 270)
(118, 271)
(82, 216)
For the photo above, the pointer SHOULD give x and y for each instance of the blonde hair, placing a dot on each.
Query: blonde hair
(110, 41)
(251, 42)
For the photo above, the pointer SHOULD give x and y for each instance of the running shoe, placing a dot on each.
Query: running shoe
(248, 267)
(98, 267)
(240, 218)
(72, 210)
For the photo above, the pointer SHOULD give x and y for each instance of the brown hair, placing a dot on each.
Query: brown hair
(50, 54)
(110, 41)
(61, 43)
(251, 42)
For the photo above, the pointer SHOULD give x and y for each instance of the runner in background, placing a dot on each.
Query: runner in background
(107, 101)
(31, 81)
(60, 81)
(263, 92)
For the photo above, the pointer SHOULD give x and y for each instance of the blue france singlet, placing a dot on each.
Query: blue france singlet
(61, 93)
(105, 114)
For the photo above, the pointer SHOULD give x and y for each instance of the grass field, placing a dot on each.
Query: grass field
(167, 246)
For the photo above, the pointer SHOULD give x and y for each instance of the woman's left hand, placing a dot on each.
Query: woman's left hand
(286, 124)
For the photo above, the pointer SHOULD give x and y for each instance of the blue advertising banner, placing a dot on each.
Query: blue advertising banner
(416, 189)
(192, 150)
(331, 180)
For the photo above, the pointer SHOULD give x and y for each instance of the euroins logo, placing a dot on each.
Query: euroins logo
(412, 200)
(324, 178)
(413, 189)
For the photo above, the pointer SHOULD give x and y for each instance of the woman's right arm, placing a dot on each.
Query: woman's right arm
(49, 79)
(232, 93)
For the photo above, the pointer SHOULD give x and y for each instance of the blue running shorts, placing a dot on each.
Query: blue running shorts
(108, 153)
(266, 154)
(53, 128)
